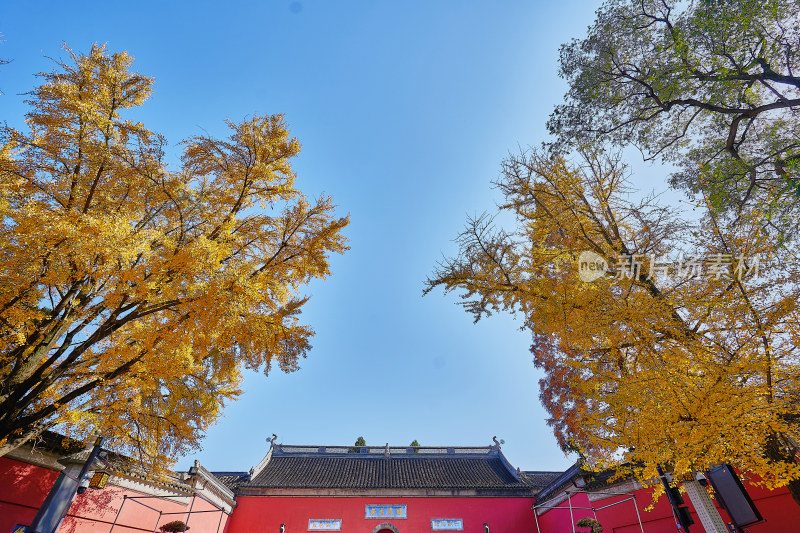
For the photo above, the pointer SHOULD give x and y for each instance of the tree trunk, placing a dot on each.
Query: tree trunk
(14, 440)
(794, 490)
(782, 449)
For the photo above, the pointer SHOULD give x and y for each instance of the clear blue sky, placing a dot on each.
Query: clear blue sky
(405, 111)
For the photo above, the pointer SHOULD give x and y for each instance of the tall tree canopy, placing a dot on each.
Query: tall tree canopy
(132, 295)
(683, 347)
(710, 85)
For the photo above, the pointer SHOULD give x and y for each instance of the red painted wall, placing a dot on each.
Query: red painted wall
(23, 488)
(94, 511)
(559, 520)
(267, 513)
(622, 518)
(781, 513)
(778, 507)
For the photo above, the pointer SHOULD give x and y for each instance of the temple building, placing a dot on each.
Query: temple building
(358, 489)
(386, 489)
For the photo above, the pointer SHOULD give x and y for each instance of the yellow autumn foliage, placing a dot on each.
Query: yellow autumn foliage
(685, 362)
(132, 295)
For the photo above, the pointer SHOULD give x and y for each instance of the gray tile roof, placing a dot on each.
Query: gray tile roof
(540, 480)
(313, 467)
(232, 480)
(560, 482)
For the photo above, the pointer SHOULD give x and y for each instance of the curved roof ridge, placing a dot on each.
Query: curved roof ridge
(350, 450)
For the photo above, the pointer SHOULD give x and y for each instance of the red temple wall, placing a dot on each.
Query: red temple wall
(559, 519)
(777, 507)
(23, 488)
(94, 512)
(267, 513)
(622, 518)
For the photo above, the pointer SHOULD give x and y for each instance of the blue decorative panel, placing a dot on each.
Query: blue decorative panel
(385, 511)
(316, 524)
(447, 524)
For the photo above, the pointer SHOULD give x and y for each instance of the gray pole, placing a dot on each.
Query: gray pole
(60, 497)
(704, 507)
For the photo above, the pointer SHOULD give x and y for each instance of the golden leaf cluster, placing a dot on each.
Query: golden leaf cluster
(655, 367)
(132, 295)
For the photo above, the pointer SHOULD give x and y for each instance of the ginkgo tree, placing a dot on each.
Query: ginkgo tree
(679, 347)
(133, 295)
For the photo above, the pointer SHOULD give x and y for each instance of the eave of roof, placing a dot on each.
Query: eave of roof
(541, 479)
(331, 468)
(232, 480)
(560, 482)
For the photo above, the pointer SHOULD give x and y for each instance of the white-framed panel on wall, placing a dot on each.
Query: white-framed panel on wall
(385, 511)
(447, 524)
(325, 524)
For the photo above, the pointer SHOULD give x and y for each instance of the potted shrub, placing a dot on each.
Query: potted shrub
(593, 525)
(174, 527)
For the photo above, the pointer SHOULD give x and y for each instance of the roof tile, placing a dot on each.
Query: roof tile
(316, 468)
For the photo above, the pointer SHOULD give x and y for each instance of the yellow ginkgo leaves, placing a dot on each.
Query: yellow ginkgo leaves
(131, 295)
(684, 351)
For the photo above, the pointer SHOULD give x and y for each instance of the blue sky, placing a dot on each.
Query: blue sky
(405, 111)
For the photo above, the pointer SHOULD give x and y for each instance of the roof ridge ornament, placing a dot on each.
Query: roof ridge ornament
(497, 443)
(273, 443)
(386, 453)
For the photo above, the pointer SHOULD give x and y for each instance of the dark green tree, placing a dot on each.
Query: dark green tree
(712, 86)
(360, 442)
